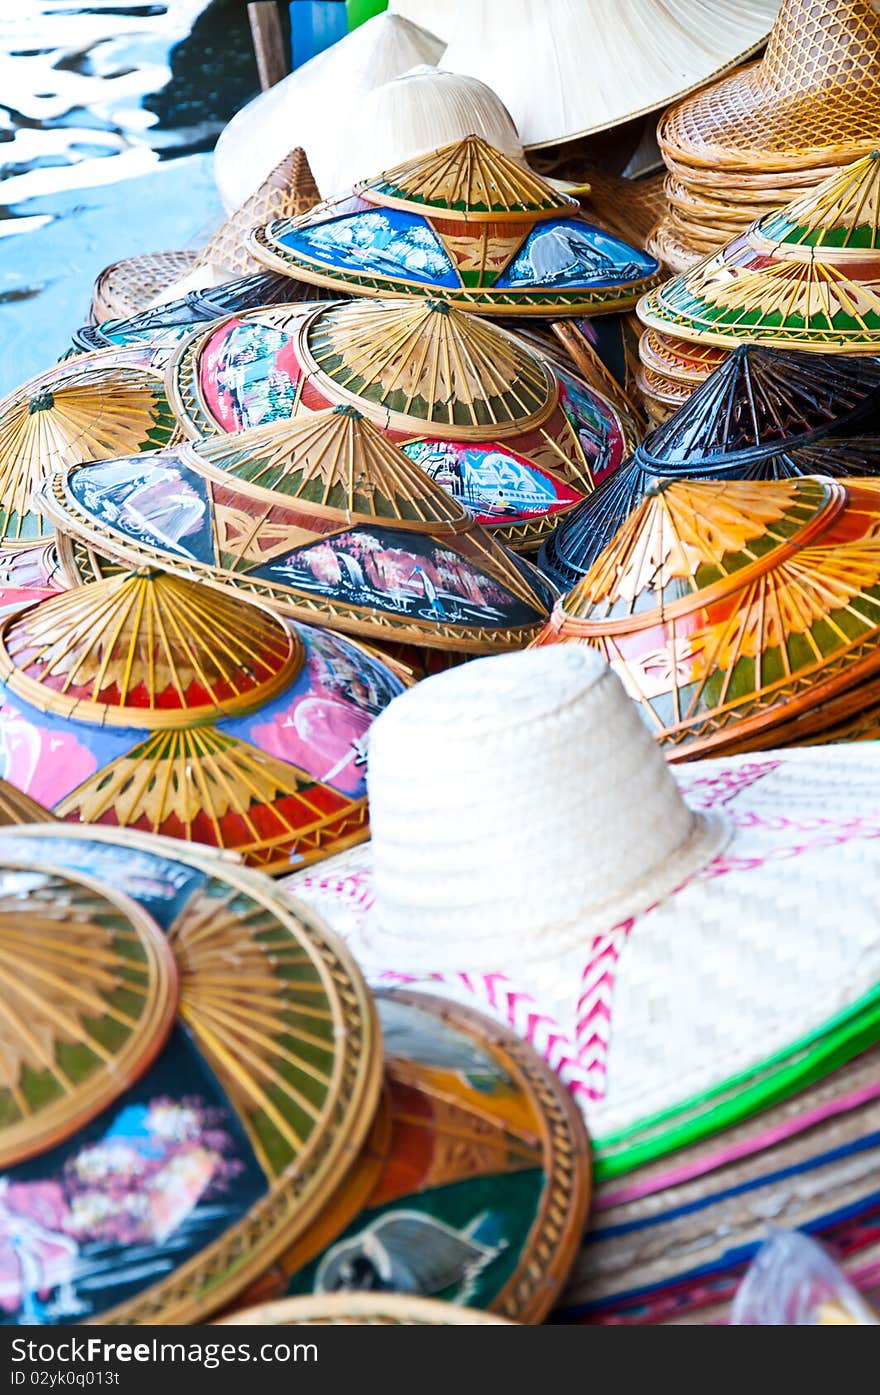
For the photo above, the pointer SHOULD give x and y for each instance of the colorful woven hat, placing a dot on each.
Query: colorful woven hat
(762, 414)
(167, 324)
(84, 409)
(805, 1163)
(568, 70)
(467, 223)
(322, 518)
(671, 976)
(806, 277)
(515, 439)
(477, 1186)
(148, 702)
(730, 608)
(188, 1069)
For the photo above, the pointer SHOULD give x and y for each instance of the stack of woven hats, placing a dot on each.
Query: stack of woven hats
(804, 277)
(772, 131)
(764, 414)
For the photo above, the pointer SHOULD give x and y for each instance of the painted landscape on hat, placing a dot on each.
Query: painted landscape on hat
(570, 252)
(495, 484)
(400, 573)
(248, 374)
(391, 243)
(133, 1195)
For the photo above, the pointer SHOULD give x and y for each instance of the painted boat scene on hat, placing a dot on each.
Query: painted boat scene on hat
(439, 665)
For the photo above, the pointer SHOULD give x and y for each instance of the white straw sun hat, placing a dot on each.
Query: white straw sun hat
(418, 112)
(686, 944)
(317, 106)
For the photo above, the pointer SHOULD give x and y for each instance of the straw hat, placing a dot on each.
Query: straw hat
(807, 276)
(162, 326)
(534, 856)
(465, 222)
(515, 437)
(318, 106)
(764, 414)
(735, 610)
(85, 408)
(178, 1150)
(322, 518)
(567, 68)
(144, 701)
(415, 113)
(772, 132)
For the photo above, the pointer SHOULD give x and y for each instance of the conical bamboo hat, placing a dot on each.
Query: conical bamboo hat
(806, 278)
(465, 222)
(728, 608)
(288, 191)
(177, 692)
(426, 363)
(470, 177)
(335, 464)
(445, 585)
(468, 401)
(146, 649)
(759, 400)
(89, 408)
(813, 99)
(568, 69)
(89, 997)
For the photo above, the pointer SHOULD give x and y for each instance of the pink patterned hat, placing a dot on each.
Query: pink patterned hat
(684, 948)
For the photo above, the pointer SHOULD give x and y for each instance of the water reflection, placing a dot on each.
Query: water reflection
(106, 110)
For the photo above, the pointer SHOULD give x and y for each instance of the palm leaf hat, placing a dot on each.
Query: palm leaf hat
(468, 223)
(516, 438)
(147, 702)
(763, 414)
(322, 518)
(186, 1070)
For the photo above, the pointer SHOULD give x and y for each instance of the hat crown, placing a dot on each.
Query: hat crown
(843, 212)
(821, 43)
(517, 794)
(336, 461)
(469, 177)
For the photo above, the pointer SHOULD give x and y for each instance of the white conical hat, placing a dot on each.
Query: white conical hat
(317, 106)
(566, 68)
(418, 112)
(654, 934)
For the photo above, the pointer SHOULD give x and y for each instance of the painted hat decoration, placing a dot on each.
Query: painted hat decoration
(90, 995)
(806, 277)
(728, 608)
(83, 409)
(324, 520)
(763, 414)
(519, 441)
(467, 1107)
(161, 1144)
(678, 896)
(173, 708)
(166, 325)
(468, 223)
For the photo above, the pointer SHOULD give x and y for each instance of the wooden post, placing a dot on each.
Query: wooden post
(268, 38)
